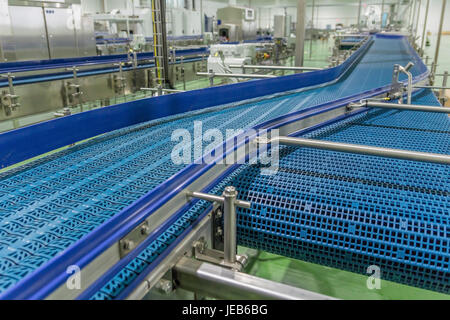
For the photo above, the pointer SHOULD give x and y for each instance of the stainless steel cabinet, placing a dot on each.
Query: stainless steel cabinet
(44, 30)
(61, 33)
(28, 31)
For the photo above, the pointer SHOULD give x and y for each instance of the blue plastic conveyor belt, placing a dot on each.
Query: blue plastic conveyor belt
(340, 210)
(50, 204)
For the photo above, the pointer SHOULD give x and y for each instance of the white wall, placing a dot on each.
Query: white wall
(92, 6)
(210, 7)
(434, 17)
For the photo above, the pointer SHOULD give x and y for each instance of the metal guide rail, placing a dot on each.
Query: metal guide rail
(42, 65)
(91, 183)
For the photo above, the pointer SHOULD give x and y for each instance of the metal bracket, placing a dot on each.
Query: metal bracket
(133, 239)
(217, 257)
(73, 89)
(355, 105)
(397, 87)
(65, 112)
(229, 255)
(119, 80)
(9, 100)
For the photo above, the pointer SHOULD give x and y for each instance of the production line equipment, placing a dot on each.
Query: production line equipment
(73, 85)
(358, 176)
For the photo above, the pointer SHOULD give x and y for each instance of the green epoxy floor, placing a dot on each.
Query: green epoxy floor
(329, 281)
(444, 56)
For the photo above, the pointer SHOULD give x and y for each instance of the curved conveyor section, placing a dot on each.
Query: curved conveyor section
(335, 209)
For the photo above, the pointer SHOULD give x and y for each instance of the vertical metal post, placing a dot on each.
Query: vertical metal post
(300, 37)
(162, 7)
(397, 13)
(411, 25)
(202, 19)
(312, 29)
(382, 12)
(203, 63)
(211, 78)
(10, 84)
(359, 16)
(183, 73)
(417, 21)
(433, 64)
(444, 84)
(424, 28)
(438, 44)
(47, 36)
(135, 60)
(160, 41)
(229, 210)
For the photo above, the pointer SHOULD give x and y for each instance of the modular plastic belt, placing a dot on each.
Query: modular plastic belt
(51, 203)
(344, 211)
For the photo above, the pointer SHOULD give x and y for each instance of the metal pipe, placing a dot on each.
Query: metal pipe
(183, 74)
(206, 197)
(417, 21)
(163, 90)
(359, 16)
(218, 199)
(221, 283)
(424, 28)
(230, 202)
(10, 84)
(300, 33)
(235, 75)
(229, 217)
(350, 35)
(312, 29)
(405, 70)
(411, 26)
(438, 44)
(245, 66)
(444, 87)
(432, 87)
(362, 149)
(408, 107)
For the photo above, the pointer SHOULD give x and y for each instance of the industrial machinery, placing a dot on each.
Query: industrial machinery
(80, 84)
(34, 30)
(325, 167)
(236, 23)
(224, 55)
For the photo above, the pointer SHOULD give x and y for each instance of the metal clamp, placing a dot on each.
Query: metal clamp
(397, 87)
(119, 80)
(73, 89)
(9, 100)
(133, 239)
(230, 202)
